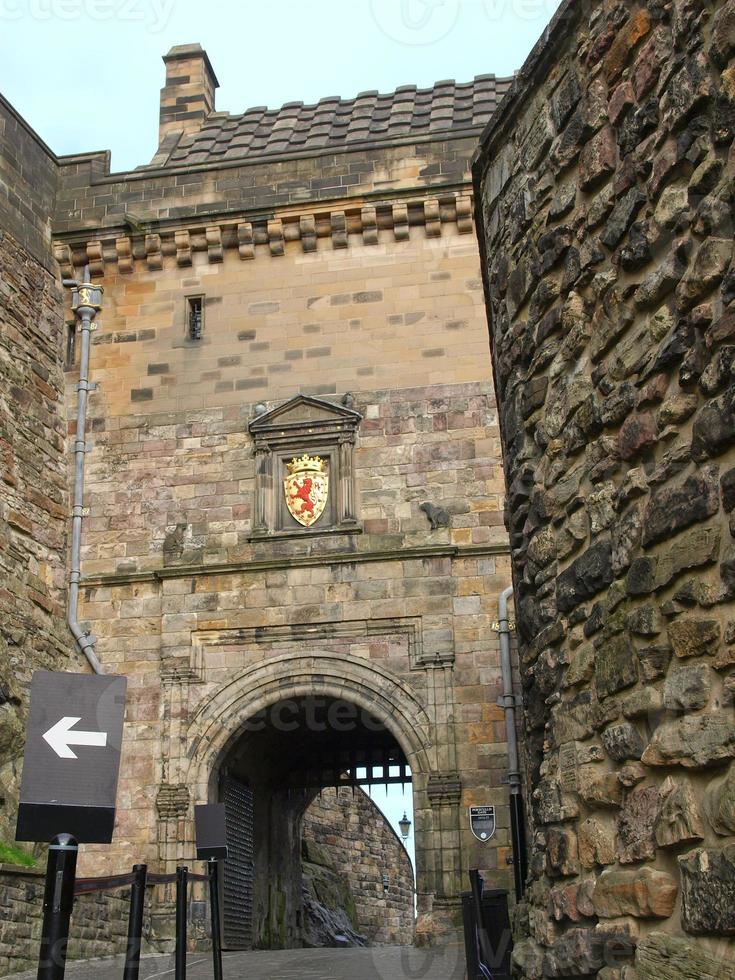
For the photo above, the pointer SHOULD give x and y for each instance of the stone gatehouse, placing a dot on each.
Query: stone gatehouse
(305, 284)
(302, 283)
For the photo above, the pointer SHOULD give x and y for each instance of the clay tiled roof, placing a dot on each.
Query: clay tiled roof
(335, 122)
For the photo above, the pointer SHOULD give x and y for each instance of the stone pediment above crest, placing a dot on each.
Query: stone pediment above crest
(304, 415)
(321, 436)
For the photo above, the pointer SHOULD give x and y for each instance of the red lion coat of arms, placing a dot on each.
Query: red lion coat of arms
(307, 489)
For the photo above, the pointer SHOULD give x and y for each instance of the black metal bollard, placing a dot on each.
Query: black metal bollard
(58, 900)
(213, 873)
(135, 923)
(182, 879)
(487, 932)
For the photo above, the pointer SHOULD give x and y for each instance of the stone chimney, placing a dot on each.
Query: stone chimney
(188, 96)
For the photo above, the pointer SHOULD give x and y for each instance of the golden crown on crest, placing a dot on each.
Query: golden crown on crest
(306, 464)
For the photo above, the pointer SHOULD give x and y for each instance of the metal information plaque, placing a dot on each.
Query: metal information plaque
(482, 822)
(72, 757)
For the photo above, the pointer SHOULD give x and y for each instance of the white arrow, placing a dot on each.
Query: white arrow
(60, 737)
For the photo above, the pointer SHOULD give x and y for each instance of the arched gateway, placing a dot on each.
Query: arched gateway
(256, 731)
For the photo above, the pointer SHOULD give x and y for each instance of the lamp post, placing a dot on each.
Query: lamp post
(405, 826)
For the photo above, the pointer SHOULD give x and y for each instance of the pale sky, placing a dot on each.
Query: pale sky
(394, 801)
(86, 73)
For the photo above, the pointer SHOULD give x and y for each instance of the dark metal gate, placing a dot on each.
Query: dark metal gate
(237, 914)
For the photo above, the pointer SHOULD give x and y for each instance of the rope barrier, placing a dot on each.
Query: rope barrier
(88, 886)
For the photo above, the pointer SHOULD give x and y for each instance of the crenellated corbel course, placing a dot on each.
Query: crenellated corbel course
(339, 229)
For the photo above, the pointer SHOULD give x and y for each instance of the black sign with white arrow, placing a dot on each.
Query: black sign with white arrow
(72, 757)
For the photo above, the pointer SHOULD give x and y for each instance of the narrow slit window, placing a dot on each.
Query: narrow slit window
(195, 316)
(71, 344)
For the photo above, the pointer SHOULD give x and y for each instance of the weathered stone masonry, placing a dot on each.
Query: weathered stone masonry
(33, 479)
(361, 846)
(604, 190)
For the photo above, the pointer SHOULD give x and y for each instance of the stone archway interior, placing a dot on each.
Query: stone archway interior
(356, 873)
(283, 757)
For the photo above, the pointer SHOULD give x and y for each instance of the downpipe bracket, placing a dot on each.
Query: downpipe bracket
(510, 701)
(511, 779)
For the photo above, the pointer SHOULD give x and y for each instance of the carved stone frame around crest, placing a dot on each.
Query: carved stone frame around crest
(304, 424)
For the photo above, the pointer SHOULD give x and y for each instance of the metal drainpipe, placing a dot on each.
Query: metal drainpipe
(508, 703)
(86, 302)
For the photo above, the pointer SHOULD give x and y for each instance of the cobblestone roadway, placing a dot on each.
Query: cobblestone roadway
(394, 963)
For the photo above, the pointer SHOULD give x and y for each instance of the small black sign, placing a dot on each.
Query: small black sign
(482, 822)
(211, 831)
(72, 757)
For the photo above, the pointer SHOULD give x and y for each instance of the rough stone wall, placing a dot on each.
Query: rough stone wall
(606, 202)
(362, 846)
(99, 924)
(33, 477)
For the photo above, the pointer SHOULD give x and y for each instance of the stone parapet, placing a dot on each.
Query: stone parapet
(90, 198)
(28, 183)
